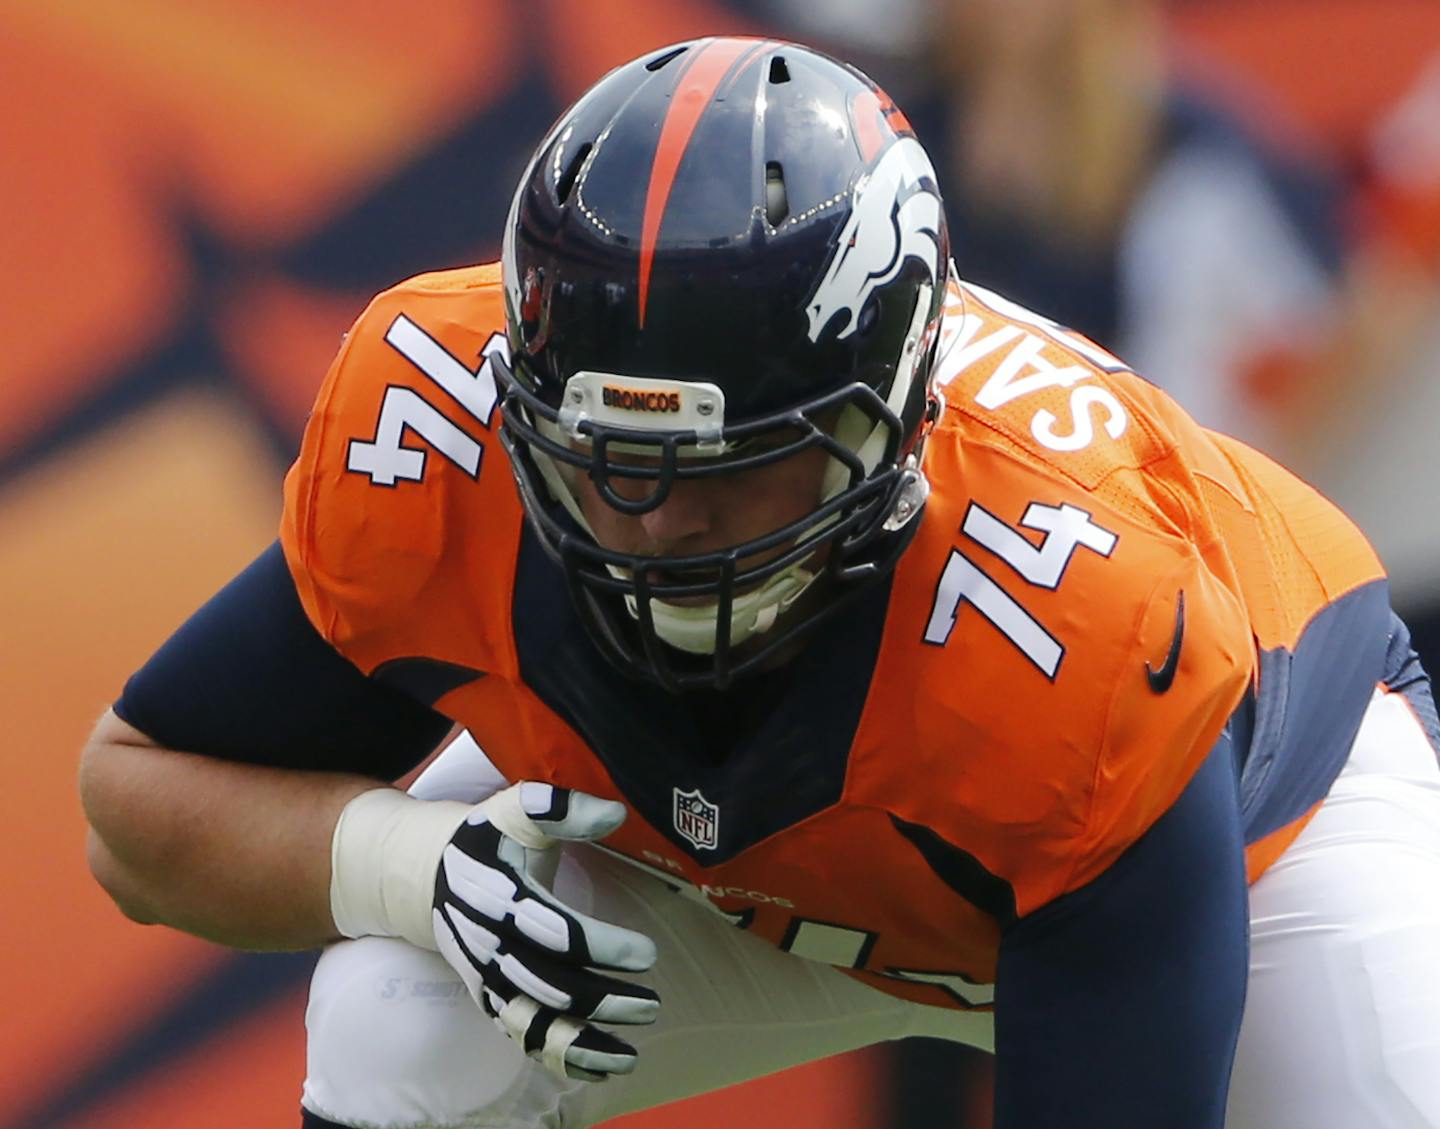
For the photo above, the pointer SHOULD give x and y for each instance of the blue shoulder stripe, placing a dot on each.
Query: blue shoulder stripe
(1295, 728)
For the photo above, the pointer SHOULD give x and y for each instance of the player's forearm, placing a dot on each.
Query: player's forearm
(236, 853)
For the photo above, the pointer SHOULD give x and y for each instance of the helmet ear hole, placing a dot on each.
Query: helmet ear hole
(777, 201)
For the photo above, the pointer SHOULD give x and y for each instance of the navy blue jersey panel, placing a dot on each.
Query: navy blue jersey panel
(1405, 675)
(765, 754)
(962, 872)
(1120, 1004)
(248, 678)
(310, 1120)
(1308, 705)
(425, 680)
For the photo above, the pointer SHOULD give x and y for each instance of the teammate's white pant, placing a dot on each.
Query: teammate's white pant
(1342, 1012)
(1341, 1028)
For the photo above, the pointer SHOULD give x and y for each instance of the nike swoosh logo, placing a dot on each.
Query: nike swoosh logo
(1162, 679)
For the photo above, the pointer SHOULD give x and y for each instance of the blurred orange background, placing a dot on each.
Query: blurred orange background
(195, 199)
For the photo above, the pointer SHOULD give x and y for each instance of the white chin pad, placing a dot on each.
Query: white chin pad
(692, 628)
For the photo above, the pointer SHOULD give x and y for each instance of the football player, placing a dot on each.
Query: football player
(853, 653)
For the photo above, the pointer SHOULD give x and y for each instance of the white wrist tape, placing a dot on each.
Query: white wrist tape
(506, 810)
(383, 859)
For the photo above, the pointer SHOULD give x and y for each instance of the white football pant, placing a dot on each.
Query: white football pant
(1341, 1027)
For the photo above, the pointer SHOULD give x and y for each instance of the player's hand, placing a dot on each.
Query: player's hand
(528, 959)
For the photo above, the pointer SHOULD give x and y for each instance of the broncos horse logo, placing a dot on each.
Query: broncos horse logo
(895, 216)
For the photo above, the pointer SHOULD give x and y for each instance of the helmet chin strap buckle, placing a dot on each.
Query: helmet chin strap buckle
(910, 497)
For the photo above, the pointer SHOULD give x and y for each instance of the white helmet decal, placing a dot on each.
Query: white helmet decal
(895, 216)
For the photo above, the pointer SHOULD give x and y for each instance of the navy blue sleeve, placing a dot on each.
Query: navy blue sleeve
(248, 678)
(1119, 1004)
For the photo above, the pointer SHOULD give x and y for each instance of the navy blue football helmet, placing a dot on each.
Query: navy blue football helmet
(726, 253)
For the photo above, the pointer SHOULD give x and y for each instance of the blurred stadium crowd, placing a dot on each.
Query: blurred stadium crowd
(1240, 198)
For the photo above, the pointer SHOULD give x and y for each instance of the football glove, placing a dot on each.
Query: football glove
(527, 959)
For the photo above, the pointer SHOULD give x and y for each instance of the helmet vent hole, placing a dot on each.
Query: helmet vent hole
(777, 202)
(572, 172)
(779, 71)
(660, 60)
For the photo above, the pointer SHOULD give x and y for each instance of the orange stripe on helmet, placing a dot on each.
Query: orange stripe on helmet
(875, 116)
(701, 77)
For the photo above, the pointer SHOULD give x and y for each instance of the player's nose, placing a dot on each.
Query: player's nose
(686, 515)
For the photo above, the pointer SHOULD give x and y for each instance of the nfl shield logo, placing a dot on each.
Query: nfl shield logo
(697, 819)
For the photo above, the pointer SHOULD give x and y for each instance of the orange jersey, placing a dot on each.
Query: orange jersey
(1092, 595)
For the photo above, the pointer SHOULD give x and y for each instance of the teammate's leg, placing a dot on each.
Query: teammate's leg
(1342, 1019)
(394, 1040)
